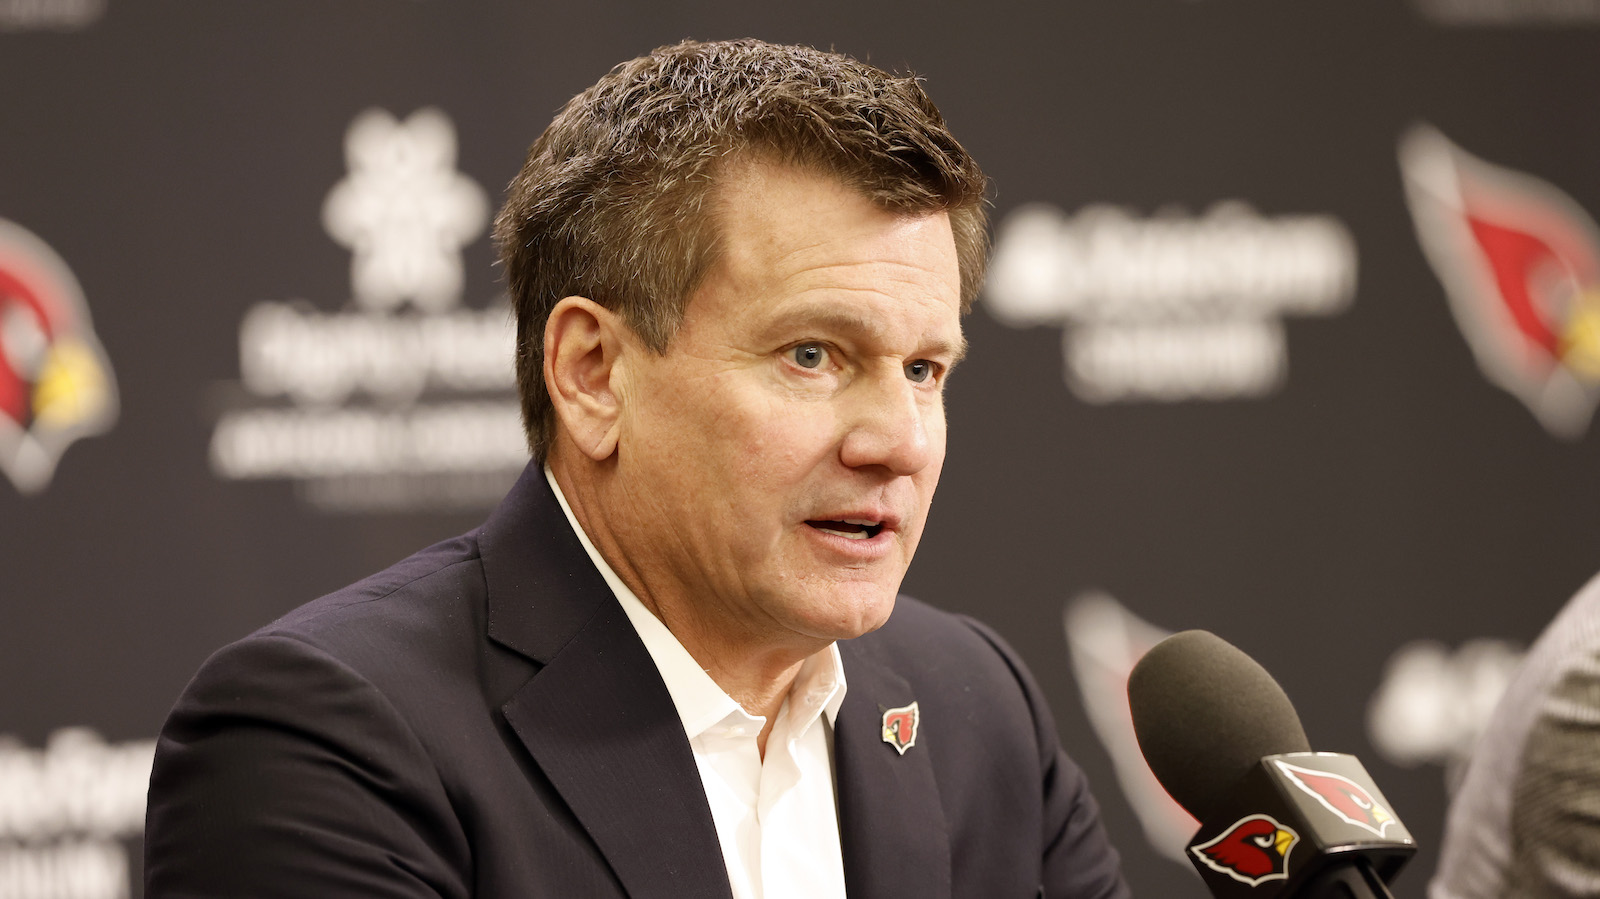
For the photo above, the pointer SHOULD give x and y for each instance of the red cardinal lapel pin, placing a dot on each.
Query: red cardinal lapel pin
(900, 727)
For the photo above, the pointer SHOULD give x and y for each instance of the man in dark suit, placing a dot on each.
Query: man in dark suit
(666, 665)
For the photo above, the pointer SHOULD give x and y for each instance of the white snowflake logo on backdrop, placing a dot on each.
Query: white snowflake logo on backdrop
(404, 211)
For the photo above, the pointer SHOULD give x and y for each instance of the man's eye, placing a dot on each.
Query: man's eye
(809, 355)
(919, 370)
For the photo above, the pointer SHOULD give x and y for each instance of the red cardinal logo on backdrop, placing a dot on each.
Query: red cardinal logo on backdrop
(900, 727)
(1105, 640)
(1520, 263)
(55, 381)
(1253, 851)
(1342, 796)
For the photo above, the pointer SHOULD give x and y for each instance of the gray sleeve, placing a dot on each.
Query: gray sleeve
(1555, 815)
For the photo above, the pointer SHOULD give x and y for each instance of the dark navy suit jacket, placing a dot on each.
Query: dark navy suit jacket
(482, 720)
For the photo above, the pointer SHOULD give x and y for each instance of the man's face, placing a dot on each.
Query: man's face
(778, 462)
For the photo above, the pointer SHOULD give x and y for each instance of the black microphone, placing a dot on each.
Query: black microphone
(1277, 820)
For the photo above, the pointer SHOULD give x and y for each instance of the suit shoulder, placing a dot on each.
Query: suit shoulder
(424, 610)
(403, 645)
(446, 568)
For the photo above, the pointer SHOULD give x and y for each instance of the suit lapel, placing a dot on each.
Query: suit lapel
(891, 826)
(597, 717)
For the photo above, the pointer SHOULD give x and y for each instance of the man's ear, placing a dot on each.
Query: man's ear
(582, 343)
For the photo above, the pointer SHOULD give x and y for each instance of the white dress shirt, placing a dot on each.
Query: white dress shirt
(777, 818)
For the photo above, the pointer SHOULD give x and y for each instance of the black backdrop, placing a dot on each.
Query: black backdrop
(1372, 499)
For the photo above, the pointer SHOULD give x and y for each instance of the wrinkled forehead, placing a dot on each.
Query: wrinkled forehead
(797, 245)
(761, 196)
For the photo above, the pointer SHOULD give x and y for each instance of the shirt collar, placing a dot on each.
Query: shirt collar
(818, 689)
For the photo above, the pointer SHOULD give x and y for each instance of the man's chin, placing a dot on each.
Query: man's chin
(863, 615)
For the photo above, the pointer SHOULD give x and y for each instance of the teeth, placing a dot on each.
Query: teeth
(856, 528)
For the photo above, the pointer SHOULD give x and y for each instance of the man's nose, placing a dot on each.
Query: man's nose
(892, 427)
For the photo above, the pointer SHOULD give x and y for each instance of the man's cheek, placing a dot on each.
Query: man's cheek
(790, 434)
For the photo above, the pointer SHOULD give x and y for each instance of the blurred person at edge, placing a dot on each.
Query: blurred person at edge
(1526, 819)
(667, 665)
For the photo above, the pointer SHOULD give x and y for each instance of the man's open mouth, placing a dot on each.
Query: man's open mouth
(849, 529)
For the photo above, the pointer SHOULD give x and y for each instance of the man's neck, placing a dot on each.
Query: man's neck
(755, 670)
(758, 678)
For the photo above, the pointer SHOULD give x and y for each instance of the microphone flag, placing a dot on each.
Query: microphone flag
(1294, 818)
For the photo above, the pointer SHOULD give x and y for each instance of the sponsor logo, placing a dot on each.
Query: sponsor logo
(1340, 795)
(50, 15)
(403, 399)
(404, 211)
(1433, 702)
(56, 384)
(1171, 307)
(900, 727)
(1510, 12)
(1105, 641)
(1254, 850)
(66, 813)
(1520, 264)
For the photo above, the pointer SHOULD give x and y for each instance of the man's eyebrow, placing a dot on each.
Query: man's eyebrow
(850, 321)
(956, 351)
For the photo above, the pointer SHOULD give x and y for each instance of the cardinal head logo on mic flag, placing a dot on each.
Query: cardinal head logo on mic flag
(1520, 263)
(1253, 851)
(1342, 796)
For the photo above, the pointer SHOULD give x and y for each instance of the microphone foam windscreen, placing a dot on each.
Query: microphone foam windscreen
(1205, 714)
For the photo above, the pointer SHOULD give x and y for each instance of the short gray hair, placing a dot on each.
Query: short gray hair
(615, 200)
